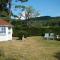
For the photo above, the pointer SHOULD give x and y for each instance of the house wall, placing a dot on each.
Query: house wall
(7, 36)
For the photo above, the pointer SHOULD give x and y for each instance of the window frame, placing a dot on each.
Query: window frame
(2, 30)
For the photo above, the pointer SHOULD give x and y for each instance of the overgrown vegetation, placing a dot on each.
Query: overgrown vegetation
(36, 26)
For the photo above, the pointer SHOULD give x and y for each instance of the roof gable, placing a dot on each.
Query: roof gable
(4, 22)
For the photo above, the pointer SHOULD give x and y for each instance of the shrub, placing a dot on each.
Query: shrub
(21, 33)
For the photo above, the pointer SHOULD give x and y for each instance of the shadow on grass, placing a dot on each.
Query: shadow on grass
(57, 55)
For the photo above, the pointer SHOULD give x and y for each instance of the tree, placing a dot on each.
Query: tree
(4, 10)
(27, 12)
(31, 12)
(3, 7)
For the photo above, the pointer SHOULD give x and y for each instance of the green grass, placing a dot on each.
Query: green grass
(47, 43)
(32, 48)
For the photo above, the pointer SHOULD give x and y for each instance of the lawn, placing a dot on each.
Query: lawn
(32, 48)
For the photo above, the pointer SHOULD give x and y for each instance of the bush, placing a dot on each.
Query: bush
(21, 33)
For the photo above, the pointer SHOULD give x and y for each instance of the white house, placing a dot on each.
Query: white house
(5, 30)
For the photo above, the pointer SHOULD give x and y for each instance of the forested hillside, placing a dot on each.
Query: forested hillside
(36, 26)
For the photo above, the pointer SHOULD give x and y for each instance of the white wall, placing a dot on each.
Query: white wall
(7, 36)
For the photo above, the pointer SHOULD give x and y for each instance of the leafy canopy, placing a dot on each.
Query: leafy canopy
(4, 10)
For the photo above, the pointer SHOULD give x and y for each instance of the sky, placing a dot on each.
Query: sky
(45, 7)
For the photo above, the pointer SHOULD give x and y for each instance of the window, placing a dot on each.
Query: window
(9, 28)
(2, 30)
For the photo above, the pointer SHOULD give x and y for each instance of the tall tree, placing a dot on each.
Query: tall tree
(31, 12)
(4, 10)
(3, 7)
